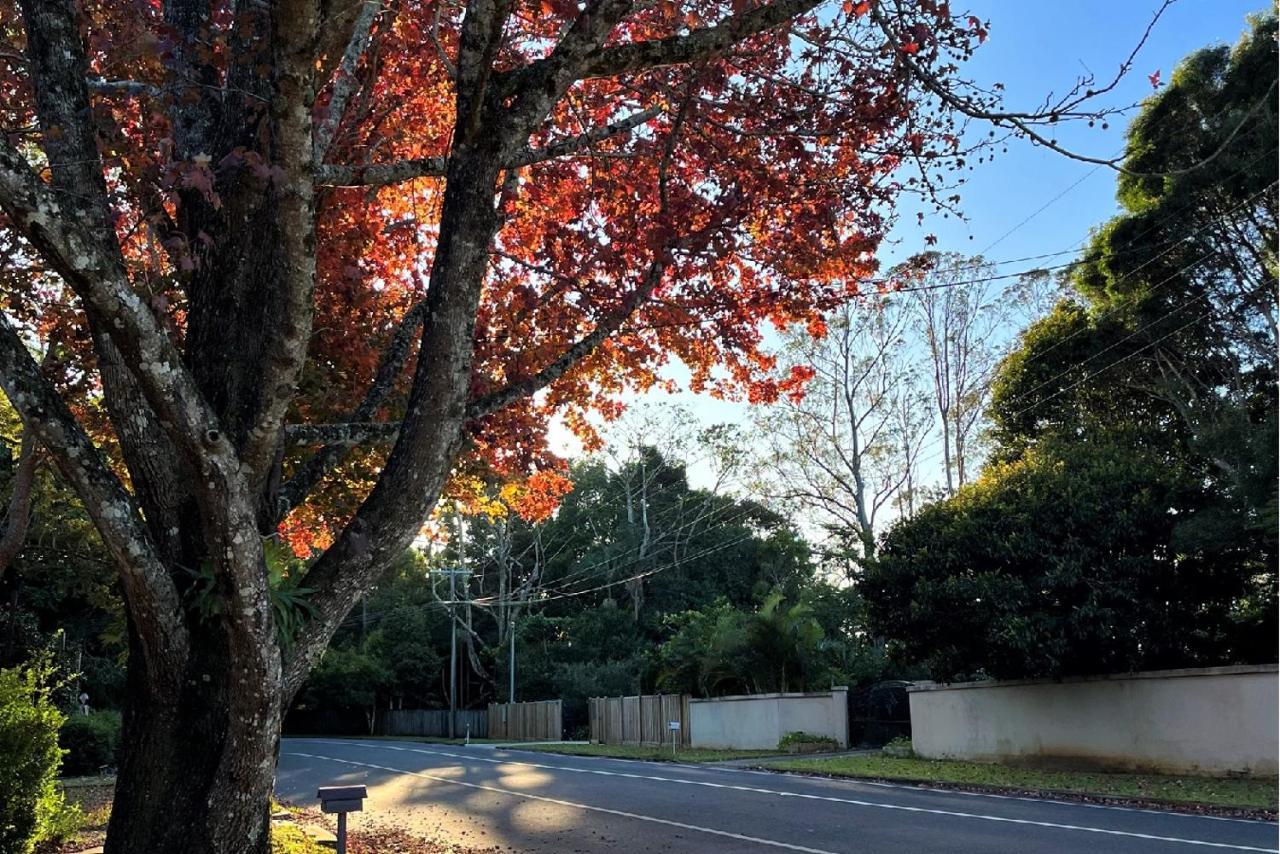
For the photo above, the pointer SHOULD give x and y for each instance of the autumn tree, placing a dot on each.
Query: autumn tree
(240, 218)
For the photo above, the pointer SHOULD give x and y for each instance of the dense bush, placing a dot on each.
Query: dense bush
(30, 803)
(798, 737)
(90, 742)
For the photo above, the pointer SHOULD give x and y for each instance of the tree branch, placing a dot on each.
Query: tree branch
(381, 174)
(286, 351)
(584, 140)
(678, 50)
(337, 443)
(150, 595)
(348, 434)
(18, 516)
(587, 345)
(70, 224)
(345, 79)
(579, 350)
(1023, 122)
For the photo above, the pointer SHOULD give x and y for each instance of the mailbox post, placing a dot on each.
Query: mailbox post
(341, 800)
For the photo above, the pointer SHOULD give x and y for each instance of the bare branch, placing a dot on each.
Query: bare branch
(126, 87)
(450, 69)
(1025, 122)
(584, 140)
(381, 174)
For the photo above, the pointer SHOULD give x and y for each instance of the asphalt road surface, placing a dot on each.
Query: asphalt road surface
(532, 802)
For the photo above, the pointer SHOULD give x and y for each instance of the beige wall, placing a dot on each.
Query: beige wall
(1219, 720)
(759, 721)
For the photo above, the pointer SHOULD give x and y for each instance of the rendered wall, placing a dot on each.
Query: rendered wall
(759, 721)
(1218, 721)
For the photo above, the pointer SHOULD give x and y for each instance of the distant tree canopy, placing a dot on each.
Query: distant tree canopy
(1128, 517)
(639, 582)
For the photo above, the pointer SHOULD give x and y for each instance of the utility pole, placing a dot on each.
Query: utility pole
(453, 653)
(511, 666)
(453, 573)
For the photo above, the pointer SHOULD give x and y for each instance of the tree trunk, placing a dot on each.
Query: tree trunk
(188, 781)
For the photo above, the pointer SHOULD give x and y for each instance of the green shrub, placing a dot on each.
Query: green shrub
(90, 742)
(57, 821)
(798, 737)
(30, 803)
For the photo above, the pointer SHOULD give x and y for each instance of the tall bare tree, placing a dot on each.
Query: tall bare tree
(958, 315)
(848, 448)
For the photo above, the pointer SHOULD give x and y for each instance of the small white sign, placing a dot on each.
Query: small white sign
(674, 726)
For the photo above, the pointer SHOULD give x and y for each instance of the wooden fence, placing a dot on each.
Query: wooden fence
(435, 722)
(535, 721)
(641, 720)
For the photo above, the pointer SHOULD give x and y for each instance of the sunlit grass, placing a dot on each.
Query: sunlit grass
(650, 754)
(1232, 792)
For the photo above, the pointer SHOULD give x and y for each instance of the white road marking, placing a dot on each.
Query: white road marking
(763, 791)
(621, 813)
(884, 784)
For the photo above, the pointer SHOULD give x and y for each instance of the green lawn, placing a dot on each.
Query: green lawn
(651, 754)
(1247, 794)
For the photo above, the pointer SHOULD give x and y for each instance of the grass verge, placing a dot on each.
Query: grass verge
(649, 754)
(291, 839)
(421, 739)
(1235, 793)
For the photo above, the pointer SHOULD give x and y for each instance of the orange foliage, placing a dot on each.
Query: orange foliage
(781, 163)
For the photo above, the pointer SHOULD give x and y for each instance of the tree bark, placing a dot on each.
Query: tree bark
(179, 749)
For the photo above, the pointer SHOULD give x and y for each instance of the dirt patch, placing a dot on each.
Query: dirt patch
(373, 837)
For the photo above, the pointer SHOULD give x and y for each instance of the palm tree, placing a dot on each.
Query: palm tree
(783, 640)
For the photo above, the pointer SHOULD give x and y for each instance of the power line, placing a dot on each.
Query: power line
(1171, 277)
(578, 574)
(1123, 358)
(1061, 194)
(940, 452)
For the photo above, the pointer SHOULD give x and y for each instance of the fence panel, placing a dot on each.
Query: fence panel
(642, 720)
(435, 722)
(541, 720)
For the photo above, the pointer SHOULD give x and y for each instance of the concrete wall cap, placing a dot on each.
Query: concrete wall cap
(789, 696)
(1186, 672)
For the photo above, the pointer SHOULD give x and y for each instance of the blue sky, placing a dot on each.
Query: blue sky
(1041, 46)
(1031, 201)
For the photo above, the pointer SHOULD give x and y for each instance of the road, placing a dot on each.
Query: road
(533, 802)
